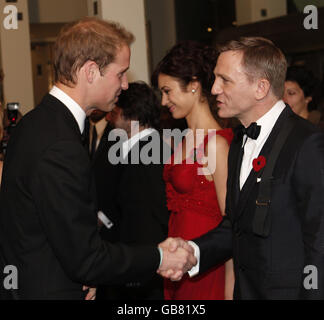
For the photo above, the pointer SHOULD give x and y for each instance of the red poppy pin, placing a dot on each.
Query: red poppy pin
(259, 163)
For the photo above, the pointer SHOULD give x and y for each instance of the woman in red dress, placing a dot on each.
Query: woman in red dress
(196, 188)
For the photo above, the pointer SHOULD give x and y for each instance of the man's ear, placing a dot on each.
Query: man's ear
(91, 70)
(262, 89)
(308, 99)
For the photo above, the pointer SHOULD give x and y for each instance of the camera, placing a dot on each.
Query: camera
(12, 113)
(12, 118)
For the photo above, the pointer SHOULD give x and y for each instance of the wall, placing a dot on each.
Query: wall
(248, 11)
(131, 14)
(160, 15)
(50, 11)
(16, 59)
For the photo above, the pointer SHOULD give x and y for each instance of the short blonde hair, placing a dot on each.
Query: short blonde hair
(88, 39)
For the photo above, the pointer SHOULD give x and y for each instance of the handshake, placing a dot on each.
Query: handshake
(178, 258)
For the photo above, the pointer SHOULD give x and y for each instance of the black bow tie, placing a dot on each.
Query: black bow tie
(252, 131)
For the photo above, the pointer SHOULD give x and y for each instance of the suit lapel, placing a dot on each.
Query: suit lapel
(252, 178)
(232, 196)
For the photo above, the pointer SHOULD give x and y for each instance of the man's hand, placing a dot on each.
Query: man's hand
(178, 258)
(91, 294)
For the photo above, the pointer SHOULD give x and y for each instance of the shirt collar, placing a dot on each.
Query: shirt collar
(130, 143)
(74, 107)
(268, 120)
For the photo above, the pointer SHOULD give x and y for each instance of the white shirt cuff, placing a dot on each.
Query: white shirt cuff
(195, 270)
(161, 256)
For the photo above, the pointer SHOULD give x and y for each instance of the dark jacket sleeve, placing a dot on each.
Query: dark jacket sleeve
(216, 246)
(63, 194)
(309, 185)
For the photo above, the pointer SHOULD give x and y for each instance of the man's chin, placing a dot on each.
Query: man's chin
(223, 114)
(111, 106)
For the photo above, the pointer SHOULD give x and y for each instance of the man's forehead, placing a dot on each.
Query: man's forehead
(231, 56)
(122, 59)
(229, 60)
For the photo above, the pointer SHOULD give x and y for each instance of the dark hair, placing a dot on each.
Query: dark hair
(140, 103)
(261, 59)
(306, 80)
(190, 61)
(87, 39)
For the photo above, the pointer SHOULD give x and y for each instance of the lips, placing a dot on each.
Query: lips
(171, 109)
(219, 103)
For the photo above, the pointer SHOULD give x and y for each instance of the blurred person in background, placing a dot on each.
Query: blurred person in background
(136, 201)
(300, 93)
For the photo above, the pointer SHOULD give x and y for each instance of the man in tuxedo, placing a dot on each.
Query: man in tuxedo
(138, 205)
(274, 227)
(48, 218)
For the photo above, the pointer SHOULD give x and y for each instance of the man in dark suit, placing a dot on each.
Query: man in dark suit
(138, 205)
(274, 228)
(105, 175)
(48, 218)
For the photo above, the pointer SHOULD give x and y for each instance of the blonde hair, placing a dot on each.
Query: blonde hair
(88, 39)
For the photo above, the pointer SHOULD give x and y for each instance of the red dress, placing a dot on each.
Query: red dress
(192, 200)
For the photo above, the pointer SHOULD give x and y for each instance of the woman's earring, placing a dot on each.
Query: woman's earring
(193, 91)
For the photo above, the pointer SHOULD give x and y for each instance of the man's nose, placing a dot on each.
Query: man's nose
(216, 88)
(124, 84)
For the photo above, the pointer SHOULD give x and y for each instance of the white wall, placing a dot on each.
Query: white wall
(131, 14)
(160, 15)
(249, 11)
(16, 59)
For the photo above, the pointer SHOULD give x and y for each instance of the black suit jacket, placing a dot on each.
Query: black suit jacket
(107, 177)
(141, 199)
(272, 267)
(48, 223)
(137, 208)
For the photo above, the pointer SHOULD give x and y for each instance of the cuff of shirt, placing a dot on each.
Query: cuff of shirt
(195, 270)
(161, 256)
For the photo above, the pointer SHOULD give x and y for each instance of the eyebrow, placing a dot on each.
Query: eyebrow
(123, 71)
(222, 76)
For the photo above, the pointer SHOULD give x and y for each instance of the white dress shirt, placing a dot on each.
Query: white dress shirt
(76, 110)
(252, 149)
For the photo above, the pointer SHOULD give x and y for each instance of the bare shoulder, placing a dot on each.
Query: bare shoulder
(217, 143)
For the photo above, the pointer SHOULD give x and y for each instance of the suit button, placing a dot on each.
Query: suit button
(242, 268)
(238, 233)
